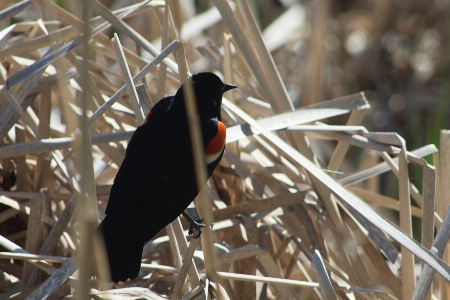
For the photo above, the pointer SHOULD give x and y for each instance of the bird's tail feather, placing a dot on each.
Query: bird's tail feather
(124, 249)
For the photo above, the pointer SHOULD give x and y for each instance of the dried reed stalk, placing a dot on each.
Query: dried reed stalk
(283, 226)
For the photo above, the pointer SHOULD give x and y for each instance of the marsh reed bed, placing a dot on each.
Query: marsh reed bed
(293, 219)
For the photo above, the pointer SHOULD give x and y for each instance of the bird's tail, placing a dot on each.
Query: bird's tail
(124, 249)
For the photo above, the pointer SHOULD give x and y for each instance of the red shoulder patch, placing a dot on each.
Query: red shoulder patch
(215, 146)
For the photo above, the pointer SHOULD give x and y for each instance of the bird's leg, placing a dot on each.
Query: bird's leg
(193, 224)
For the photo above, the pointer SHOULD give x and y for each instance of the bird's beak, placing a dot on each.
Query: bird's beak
(227, 87)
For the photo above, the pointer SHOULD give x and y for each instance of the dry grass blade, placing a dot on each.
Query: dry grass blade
(322, 276)
(24, 256)
(438, 248)
(34, 232)
(46, 145)
(194, 293)
(304, 115)
(246, 47)
(408, 278)
(352, 139)
(258, 206)
(182, 243)
(308, 201)
(187, 260)
(14, 9)
(54, 281)
(382, 167)
(128, 80)
(127, 293)
(15, 248)
(279, 91)
(342, 147)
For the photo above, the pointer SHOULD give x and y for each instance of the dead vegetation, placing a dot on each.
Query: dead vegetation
(287, 225)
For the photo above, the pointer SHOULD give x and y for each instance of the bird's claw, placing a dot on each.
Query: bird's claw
(197, 225)
(194, 224)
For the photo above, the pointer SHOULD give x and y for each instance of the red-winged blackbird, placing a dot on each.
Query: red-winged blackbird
(156, 181)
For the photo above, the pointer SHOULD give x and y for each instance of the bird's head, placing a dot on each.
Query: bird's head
(209, 89)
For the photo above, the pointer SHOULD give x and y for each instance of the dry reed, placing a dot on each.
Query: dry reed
(286, 225)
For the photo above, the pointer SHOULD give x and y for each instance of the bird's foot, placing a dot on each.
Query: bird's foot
(196, 225)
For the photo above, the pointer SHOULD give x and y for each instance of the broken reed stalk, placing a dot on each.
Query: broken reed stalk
(269, 213)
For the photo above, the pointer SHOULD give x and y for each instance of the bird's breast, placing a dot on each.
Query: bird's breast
(216, 144)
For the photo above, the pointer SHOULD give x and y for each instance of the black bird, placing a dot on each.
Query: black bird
(156, 181)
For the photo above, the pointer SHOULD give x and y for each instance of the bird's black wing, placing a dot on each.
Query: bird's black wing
(131, 199)
(124, 226)
(143, 134)
(155, 117)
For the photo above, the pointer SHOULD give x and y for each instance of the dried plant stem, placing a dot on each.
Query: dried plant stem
(128, 80)
(159, 58)
(279, 91)
(187, 261)
(164, 40)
